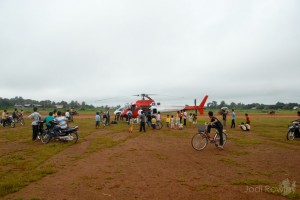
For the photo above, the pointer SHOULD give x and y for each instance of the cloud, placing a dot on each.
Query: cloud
(85, 50)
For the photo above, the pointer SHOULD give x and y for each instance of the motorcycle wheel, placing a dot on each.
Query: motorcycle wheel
(290, 135)
(75, 137)
(45, 137)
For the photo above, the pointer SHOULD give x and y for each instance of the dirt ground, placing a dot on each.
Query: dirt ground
(155, 165)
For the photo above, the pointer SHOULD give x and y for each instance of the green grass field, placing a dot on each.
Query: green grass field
(22, 160)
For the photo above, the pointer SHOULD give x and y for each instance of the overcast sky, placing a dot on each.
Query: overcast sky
(85, 50)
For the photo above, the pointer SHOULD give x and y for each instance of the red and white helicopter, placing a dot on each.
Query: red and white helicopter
(147, 104)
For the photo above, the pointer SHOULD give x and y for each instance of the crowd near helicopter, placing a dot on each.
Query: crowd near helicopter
(147, 104)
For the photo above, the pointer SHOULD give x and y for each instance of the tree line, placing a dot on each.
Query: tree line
(232, 105)
(6, 103)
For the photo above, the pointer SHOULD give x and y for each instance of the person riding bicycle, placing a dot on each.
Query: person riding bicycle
(215, 123)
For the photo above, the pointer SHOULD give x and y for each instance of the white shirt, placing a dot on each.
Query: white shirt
(62, 122)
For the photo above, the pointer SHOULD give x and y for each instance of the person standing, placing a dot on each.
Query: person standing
(67, 115)
(177, 119)
(184, 117)
(108, 117)
(233, 119)
(194, 120)
(168, 121)
(35, 125)
(215, 123)
(191, 119)
(224, 116)
(97, 118)
(142, 118)
(247, 118)
(172, 122)
(180, 116)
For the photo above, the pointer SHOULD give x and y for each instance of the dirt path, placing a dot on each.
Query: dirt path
(157, 165)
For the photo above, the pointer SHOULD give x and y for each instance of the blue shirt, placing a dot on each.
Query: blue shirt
(48, 119)
(97, 118)
(233, 115)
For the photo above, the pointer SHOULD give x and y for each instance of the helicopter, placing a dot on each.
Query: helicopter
(147, 104)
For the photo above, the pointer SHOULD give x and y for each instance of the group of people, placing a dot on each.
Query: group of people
(104, 118)
(15, 116)
(56, 116)
(245, 126)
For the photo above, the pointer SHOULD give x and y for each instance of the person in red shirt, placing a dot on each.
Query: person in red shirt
(247, 118)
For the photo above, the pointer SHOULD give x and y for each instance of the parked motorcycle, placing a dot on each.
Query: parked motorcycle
(294, 131)
(66, 135)
(9, 122)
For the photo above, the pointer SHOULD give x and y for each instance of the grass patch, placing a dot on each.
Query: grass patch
(161, 157)
(229, 161)
(245, 141)
(201, 187)
(239, 153)
(250, 182)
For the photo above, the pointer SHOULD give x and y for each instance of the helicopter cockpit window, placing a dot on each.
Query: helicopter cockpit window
(154, 111)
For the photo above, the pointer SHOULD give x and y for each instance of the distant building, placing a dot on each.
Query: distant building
(18, 106)
(59, 106)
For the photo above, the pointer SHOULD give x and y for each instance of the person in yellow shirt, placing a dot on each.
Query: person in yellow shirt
(3, 119)
(168, 119)
(153, 122)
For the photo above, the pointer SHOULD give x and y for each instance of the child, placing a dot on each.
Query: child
(104, 119)
(130, 125)
(168, 121)
(172, 122)
(97, 118)
(191, 119)
(158, 117)
(247, 119)
(153, 122)
(194, 120)
(177, 119)
(245, 127)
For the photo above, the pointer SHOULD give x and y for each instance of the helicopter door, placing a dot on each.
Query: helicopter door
(154, 111)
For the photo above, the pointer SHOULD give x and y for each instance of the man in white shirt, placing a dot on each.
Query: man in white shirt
(62, 122)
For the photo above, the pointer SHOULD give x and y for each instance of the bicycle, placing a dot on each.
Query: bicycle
(158, 125)
(200, 139)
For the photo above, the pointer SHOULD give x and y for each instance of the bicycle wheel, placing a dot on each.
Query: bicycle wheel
(159, 125)
(217, 138)
(199, 141)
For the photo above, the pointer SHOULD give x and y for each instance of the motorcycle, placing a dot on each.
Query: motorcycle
(65, 135)
(294, 131)
(20, 120)
(9, 122)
